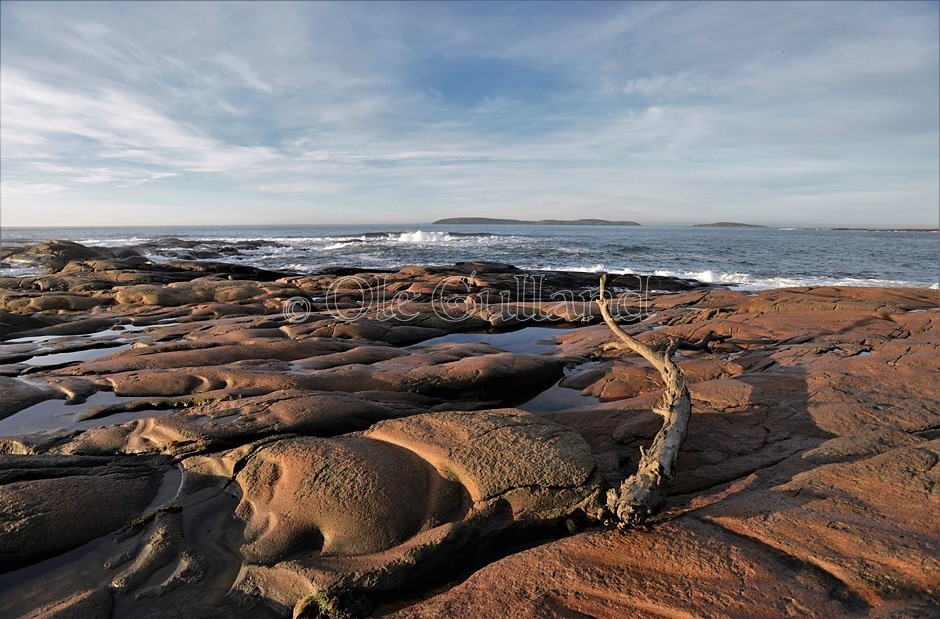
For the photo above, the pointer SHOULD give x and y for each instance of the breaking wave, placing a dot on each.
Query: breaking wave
(745, 281)
(424, 237)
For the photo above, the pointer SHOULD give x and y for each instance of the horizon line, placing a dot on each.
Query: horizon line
(925, 228)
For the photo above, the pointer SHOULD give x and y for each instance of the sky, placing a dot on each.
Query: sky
(160, 113)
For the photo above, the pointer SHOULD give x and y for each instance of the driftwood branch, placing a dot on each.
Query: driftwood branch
(644, 493)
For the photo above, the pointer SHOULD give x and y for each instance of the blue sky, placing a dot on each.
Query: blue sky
(665, 113)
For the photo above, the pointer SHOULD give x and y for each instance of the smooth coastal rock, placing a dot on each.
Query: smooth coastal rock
(50, 504)
(423, 487)
(204, 453)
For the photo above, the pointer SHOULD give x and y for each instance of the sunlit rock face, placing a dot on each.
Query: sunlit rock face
(357, 512)
(177, 446)
(338, 497)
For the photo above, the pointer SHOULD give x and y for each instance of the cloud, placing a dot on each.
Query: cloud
(409, 111)
(109, 123)
(681, 84)
(240, 69)
(16, 190)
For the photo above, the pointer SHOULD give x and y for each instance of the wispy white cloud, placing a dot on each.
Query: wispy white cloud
(12, 189)
(682, 84)
(410, 111)
(111, 124)
(241, 70)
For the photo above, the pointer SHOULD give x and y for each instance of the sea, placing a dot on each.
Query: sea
(745, 258)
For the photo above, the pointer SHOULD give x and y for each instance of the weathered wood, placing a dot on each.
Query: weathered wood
(644, 493)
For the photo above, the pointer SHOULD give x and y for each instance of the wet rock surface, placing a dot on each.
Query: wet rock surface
(808, 484)
(199, 451)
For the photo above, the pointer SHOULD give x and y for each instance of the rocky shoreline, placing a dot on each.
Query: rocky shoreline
(201, 438)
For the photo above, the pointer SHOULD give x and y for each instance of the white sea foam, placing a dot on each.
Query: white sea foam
(745, 281)
(112, 242)
(597, 268)
(420, 236)
(708, 276)
(433, 237)
(17, 269)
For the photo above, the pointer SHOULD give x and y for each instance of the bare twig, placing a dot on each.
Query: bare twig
(644, 493)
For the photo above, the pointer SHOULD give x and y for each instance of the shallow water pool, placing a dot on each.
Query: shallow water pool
(51, 415)
(528, 340)
(87, 354)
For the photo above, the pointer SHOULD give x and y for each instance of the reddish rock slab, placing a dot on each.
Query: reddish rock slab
(692, 569)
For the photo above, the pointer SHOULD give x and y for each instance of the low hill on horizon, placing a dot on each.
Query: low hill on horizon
(461, 221)
(727, 224)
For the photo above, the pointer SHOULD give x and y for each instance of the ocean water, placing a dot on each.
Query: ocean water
(749, 258)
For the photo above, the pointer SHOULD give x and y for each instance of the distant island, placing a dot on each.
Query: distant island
(727, 224)
(483, 221)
